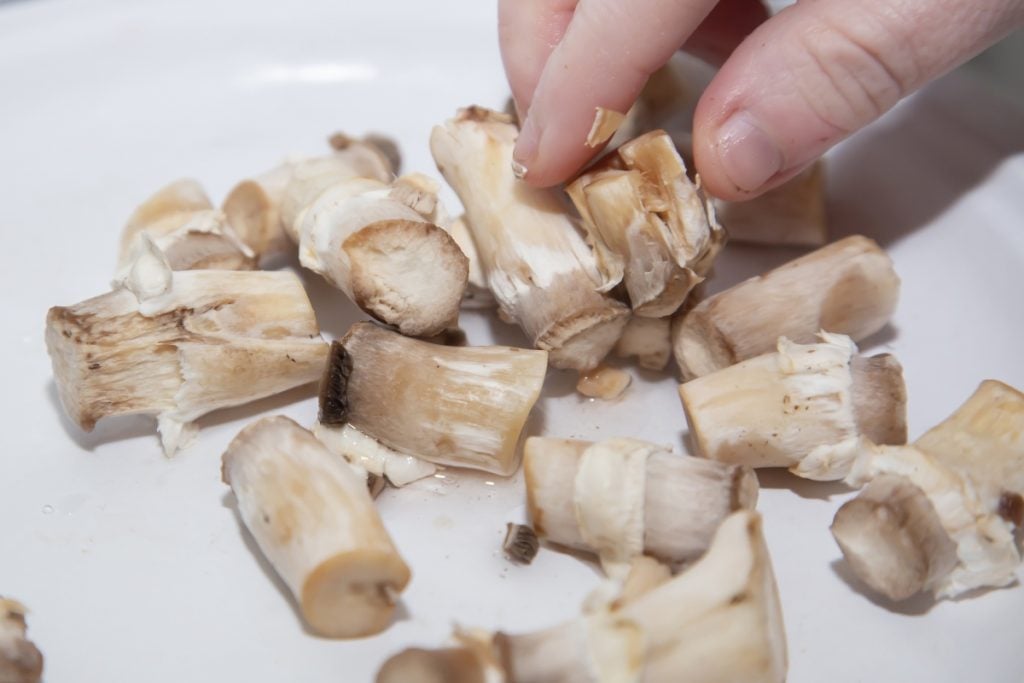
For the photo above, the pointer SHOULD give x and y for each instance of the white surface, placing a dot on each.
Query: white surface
(135, 567)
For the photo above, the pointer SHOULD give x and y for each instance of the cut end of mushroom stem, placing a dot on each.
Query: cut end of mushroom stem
(848, 287)
(460, 406)
(20, 659)
(538, 267)
(521, 543)
(313, 518)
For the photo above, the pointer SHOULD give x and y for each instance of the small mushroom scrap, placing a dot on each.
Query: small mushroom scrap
(651, 228)
(720, 620)
(940, 514)
(381, 245)
(538, 267)
(809, 407)
(20, 659)
(649, 340)
(462, 406)
(314, 520)
(263, 209)
(848, 287)
(182, 223)
(180, 345)
(622, 497)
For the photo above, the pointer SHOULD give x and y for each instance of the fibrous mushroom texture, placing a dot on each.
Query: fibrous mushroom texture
(622, 497)
(848, 287)
(651, 227)
(538, 266)
(194, 342)
(263, 209)
(380, 244)
(478, 294)
(809, 407)
(183, 224)
(20, 659)
(462, 406)
(940, 515)
(314, 520)
(719, 621)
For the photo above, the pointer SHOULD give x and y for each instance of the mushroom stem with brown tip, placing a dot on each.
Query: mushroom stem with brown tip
(809, 407)
(848, 287)
(183, 224)
(538, 266)
(935, 515)
(651, 227)
(720, 620)
(314, 520)
(661, 503)
(378, 244)
(20, 659)
(461, 406)
(180, 345)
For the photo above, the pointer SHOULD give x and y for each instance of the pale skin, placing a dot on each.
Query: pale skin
(790, 86)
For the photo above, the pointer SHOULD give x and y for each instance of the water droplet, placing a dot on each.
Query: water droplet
(47, 509)
(489, 483)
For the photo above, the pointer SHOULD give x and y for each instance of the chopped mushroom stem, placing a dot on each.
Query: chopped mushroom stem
(660, 503)
(20, 659)
(521, 543)
(377, 243)
(651, 227)
(809, 407)
(791, 214)
(183, 224)
(462, 406)
(848, 287)
(935, 515)
(314, 520)
(477, 295)
(213, 339)
(649, 340)
(538, 266)
(606, 122)
(371, 455)
(720, 620)
(263, 209)
(603, 382)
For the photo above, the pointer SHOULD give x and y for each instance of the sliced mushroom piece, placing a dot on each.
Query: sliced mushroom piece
(20, 659)
(211, 339)
(521, 543)
(370, 240)
(653, 229)
(477, 295)
(371, 455)
(603, 382)
(720, 620)
(462, 406)
(809, 407)
(793, 214)
(538, 266)
(193, 235)
(649, 340)
(622, 497)
(954, 531)
(263, 209)
(848, 287)
(314, 520)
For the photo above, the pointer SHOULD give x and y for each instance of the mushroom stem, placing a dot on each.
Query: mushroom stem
(793, 214)
(314, 520)
(477, 295)
(538, 266)
(719, 620)
(935, 515)
(371, 455)
(809, 407)
(20, 659)
(376, 243)
(674, 503)
(213, 339)
(183, 224)
(649, 340)
(462, 406)
(848, 287)
(651, 227)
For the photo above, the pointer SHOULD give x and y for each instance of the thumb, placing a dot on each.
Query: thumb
(609, 49)
(822, 69)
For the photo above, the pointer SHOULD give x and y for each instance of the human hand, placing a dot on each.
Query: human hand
(799, 83)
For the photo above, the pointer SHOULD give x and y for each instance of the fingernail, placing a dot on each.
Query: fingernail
(749, 156)
(526, 147)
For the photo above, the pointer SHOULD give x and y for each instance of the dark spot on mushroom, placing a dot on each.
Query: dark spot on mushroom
(334, 386)
(1011, 508)
(521, 543)
(94, 366)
